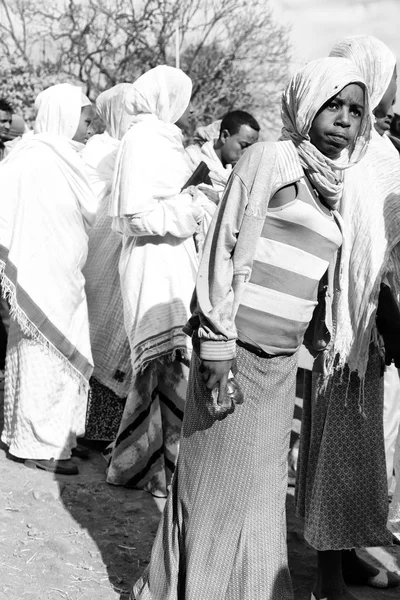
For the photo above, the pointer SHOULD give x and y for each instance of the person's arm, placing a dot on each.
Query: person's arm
(178, 216)
(215, 288)
(227, 258)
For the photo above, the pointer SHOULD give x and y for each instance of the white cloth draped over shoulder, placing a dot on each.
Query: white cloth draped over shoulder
(158, 261)
(370, 208)
(47, 207)
(110, 346)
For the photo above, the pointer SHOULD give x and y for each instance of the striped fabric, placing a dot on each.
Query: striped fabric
(293, 253)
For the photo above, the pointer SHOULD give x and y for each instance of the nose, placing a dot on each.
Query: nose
(343, 117)
(7, 125)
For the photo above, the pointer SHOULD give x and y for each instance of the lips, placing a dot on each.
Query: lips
(339, 139)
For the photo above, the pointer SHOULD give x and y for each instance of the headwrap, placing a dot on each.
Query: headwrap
(306, 93)
(374, 60)
(111, 106)
(151, 161)
(163, 91)
(59, 110)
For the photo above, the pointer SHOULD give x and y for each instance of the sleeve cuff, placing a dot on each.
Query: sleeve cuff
(217, 350)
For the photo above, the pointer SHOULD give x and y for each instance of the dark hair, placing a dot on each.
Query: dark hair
(5, 106)
(233, 121)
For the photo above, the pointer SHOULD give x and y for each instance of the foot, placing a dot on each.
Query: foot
(357, 571)
(80, 451)
(60, 467)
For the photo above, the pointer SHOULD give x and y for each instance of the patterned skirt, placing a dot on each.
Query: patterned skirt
(341, 484)
(394, 511)
(223, 530)
(146, 448)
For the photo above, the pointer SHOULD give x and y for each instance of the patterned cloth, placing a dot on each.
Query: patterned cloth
(394, 511)
(223, 532)
(147, 444)
(44, 406)
(104, 413)
(341, 483)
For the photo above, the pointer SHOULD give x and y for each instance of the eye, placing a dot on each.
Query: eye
(356, 112)
(333, 105)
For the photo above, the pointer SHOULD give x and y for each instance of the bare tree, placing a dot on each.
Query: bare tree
(235, 52)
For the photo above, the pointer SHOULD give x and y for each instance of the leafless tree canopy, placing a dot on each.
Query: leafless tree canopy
(235, 52)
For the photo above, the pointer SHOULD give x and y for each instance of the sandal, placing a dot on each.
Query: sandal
(383, 580)
(60, 467)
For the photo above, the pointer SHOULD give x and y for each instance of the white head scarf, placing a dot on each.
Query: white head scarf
(59, 110)
(163, 91)
(374, 60)
(305, 94)
(111, 106)
(151, 161)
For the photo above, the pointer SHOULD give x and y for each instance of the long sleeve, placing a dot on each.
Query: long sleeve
(215, 282)
(178, 216)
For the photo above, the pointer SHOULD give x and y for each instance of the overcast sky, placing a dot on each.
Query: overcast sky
(317, 24)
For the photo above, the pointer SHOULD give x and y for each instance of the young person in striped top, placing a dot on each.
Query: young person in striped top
(223, 532)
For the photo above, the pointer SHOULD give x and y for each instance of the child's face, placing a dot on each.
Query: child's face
(82, 132)
(337, 123)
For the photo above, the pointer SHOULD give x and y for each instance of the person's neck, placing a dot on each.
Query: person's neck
(218, 150)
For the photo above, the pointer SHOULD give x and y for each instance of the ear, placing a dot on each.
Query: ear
(224, 135)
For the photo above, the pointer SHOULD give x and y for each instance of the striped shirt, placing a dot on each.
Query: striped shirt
(294, 250)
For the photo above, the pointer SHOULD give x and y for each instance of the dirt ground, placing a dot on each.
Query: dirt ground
(78, 538)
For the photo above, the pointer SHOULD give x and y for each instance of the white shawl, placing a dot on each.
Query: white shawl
(370, 208)
(157, 271)
(110, 345)
(46, 207)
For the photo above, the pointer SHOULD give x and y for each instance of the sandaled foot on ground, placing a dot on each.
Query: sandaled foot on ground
(357, 571)
(60, 467)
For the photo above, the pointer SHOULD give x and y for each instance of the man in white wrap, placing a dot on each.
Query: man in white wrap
(47, 208)
(157, 268)
(112, 373)
(237, 131)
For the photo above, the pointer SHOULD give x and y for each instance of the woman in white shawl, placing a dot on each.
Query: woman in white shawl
(157, 267)
(341, 485)
(47, 207)
(110, 347)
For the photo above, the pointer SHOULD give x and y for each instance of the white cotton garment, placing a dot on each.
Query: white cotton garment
(47, 206)
(109, 341)
(158, 262)
(370, 208)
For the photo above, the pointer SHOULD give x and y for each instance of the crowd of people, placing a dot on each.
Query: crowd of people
(160, 296)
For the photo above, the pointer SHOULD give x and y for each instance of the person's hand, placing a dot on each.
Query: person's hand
(215, 372)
